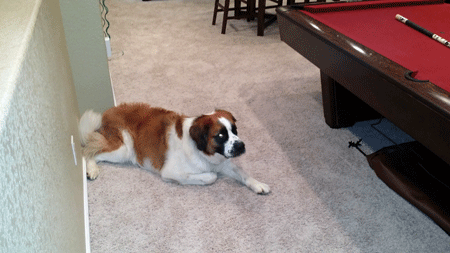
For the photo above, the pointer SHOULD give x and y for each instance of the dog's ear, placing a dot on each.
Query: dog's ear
(199, 132)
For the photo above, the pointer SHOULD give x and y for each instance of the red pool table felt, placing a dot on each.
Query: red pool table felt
(377, 29)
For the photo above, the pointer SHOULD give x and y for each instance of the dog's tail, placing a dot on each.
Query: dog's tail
(89, 123)
(92, 141)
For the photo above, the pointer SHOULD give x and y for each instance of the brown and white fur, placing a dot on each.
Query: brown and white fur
(188, 150)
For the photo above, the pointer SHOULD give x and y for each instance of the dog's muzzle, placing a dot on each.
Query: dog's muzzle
(238, 149)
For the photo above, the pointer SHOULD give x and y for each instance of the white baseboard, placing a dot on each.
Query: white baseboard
(86, 209)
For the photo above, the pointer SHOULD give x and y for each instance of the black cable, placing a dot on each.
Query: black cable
(356, 145)
(104, 12)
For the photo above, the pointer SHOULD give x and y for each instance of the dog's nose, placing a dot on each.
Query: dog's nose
(239, 149)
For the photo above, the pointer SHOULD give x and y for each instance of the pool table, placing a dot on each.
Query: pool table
(372, 65)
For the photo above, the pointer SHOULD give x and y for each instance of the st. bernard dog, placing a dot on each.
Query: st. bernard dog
(187, 150)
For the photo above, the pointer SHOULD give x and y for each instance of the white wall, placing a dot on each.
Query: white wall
(87, 53)
(41, 188)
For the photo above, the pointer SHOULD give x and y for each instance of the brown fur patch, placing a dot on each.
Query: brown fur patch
(199, 131)
(179, 127)
(147, 126)
(95, 144)
(225, 114)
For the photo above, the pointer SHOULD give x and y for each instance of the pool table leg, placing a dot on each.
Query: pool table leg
(341, 108)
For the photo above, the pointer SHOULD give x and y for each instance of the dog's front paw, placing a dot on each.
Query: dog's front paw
(92, 170)
(258, 187)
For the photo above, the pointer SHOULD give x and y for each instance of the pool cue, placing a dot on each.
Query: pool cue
(422, 30)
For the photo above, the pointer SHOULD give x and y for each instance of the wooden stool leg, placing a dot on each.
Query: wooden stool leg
(225, 15)
(216, 7)
(261, 14)
(251, 5)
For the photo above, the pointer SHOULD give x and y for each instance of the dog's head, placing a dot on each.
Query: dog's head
(216, 133)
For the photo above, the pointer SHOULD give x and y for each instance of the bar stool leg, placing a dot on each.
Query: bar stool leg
(225, 15)
(261, 14)
(216, 7)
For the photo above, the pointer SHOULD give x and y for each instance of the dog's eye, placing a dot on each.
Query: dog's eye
(221, 136)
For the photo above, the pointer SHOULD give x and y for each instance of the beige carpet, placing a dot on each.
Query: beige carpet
(325, 197)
